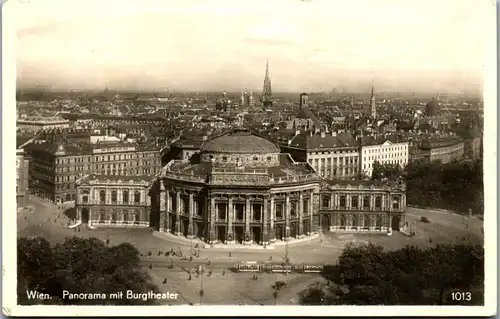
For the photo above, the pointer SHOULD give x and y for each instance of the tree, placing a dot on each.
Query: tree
(80, 265)
(456, 185)
(368, 275)
(386, 171)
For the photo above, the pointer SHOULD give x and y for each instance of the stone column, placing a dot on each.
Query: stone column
(311, 207)
(230, 215)
(191, 212)
(162, 208)
(212, 233)
(79, 214)
(272, 231)
(301, 215)
(178, 214)
(383, 202)
(265, 235)
(248, 238)
(287, 216)
(168, 206)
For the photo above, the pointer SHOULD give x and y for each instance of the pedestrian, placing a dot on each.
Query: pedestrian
(430, 240)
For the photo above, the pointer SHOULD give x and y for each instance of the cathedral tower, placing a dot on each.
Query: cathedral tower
(266, 91)
(373, 106)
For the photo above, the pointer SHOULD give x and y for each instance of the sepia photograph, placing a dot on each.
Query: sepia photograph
(315, 157)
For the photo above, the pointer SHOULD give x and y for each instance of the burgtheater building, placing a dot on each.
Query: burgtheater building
(242, 190)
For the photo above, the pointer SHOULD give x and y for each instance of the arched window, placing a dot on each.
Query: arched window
(137, 216)
(125, 215)
(137, 197)
(325, 201)
(102, 196)
(378, 221)
(125, 196)
(85, 197)
(114, 197)
(114, 216)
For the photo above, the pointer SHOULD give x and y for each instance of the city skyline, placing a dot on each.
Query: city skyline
(393, 46)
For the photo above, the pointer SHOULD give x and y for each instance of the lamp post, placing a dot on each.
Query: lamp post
(287, 235)
(202, 293)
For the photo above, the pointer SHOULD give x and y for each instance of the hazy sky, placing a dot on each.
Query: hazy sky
(411, 45)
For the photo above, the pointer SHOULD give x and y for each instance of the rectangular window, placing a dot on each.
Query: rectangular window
(342, 201)
(366, 202)
(325, 203)
(395, 202)
(279, 210)
(354, 201)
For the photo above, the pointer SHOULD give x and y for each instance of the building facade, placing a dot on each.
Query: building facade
(362, 206)
(22, 178)
(388, 150)
(35, 124)
(56, 167)
(332, 155)
(444, 149)
(113, 201)
(241, 190)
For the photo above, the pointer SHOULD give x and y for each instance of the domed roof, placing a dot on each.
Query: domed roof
(240, 141)
(432, 108)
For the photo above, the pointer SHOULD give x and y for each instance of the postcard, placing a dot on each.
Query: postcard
(264, 157)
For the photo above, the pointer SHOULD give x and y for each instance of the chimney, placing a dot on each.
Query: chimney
(310, 133)
(205, 138)
(297, 132)
(334, 134)
(323, 134)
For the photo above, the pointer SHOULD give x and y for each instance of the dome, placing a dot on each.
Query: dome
(432, 108)
(240, 142)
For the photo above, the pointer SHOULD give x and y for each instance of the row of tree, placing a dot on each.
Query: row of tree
(79, 265)
(368, 275)
(456, 186)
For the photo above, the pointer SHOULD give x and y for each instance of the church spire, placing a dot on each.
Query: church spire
(373, 107)
(266, 91)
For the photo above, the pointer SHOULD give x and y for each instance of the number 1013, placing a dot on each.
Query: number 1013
(461, 296)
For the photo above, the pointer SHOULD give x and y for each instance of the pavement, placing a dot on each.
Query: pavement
(48, 220)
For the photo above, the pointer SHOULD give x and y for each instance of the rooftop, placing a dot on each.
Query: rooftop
(115, 179)
(286, 170)
(240, 141)
(320, 141)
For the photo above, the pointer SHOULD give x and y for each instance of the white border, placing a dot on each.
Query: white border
(9, 285)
